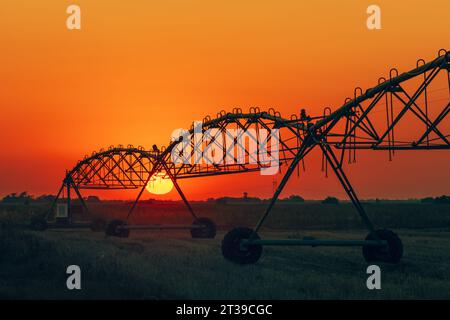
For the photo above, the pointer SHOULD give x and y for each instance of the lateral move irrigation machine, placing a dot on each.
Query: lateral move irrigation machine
(377, 119)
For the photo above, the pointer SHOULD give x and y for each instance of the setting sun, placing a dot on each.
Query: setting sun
(159, 184)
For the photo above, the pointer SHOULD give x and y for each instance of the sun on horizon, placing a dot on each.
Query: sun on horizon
(159, 183)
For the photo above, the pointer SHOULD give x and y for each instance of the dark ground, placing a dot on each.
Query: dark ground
(169, 265)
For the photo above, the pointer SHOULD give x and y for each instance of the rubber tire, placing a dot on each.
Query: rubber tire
(232, 250)
(390, 254)
(113, 229)
(38, 224)
(98, 225)
(207, 232)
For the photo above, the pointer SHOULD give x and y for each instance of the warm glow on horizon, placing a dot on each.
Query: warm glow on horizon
(134, 73)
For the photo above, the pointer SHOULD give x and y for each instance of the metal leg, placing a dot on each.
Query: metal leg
(155, 168)
(80, 197)
(130, 212)
(180, 192)
(69, 211)
(306, 147)
(52, 207)
(334, 162)
(177, 187)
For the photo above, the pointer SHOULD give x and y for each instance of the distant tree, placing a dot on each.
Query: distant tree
(24, 195)
(427, 200)
(253, 199)
(230, 200)
(222, 200)
(45, 198)
(93, 199)
(22, 198)
(442, 200)
(296, 198)
(330, 200)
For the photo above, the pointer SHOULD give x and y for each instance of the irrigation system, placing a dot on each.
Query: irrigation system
(402, 112)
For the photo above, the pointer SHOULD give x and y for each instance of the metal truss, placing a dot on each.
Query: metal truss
(402, 112)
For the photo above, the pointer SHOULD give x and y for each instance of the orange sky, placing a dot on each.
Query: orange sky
(139, 69)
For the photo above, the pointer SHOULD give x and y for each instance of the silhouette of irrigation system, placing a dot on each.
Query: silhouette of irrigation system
(402, 112)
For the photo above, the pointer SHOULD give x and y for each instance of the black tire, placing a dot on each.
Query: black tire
(98, 225)
(233, 251)
(38, 224)
(207, 232)
(115, 229)
(392, 253)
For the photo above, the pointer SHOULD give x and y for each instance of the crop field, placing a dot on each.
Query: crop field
(172, 265)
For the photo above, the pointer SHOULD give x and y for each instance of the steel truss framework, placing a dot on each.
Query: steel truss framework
(402, 112)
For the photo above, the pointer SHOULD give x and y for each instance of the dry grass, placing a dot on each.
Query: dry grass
(170, 265)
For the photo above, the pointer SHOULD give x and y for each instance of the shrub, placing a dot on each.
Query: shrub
(296, 198)
(330, 200)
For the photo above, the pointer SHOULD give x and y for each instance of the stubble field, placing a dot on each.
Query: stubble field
(171, 265)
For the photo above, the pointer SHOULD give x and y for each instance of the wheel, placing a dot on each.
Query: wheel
(233, 251)
(207, 232)
(115, 229)
(392, 253)
(38, 224)
(98, 224)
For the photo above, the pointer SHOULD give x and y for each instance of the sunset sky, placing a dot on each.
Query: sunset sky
(139, 69)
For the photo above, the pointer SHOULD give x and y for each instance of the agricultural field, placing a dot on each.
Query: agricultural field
(172, 265)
